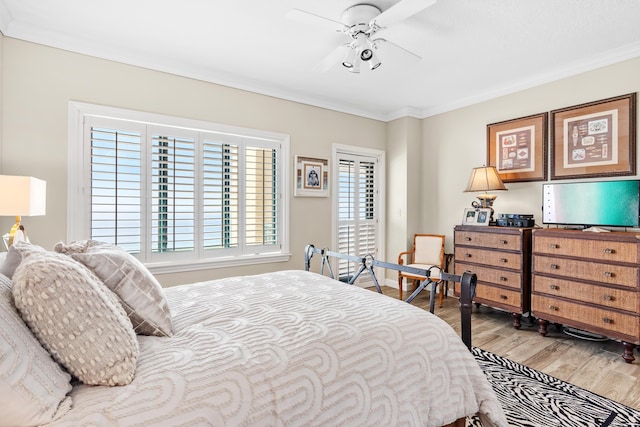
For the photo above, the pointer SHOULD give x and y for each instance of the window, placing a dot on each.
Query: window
(357, 227)
(177, 193)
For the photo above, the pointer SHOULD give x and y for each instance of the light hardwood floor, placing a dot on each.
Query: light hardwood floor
(595, 366)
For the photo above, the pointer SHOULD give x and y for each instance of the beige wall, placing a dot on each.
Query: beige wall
(40, 81)
(404, 185)
(459, 138)
(428, 161)
(1, 103)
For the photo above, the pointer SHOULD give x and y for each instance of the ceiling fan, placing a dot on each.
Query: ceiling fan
(362, 22)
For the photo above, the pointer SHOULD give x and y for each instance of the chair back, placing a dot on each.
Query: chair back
(429, 249)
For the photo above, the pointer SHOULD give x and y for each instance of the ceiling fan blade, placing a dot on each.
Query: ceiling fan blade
(311, 18)
(334, 57)
(400, 11)
(406, 54)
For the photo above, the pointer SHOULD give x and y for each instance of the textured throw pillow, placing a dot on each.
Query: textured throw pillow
(140, 293)
(77, 319)
(15, 255)
(33, 387)
(82, 246)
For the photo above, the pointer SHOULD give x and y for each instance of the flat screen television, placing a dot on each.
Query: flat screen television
(586, 204)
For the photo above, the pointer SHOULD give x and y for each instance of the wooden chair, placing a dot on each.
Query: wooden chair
(427, 251)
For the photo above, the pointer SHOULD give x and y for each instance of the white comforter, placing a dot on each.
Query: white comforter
(293, 348)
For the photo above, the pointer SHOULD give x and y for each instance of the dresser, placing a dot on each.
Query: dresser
(501, 258)
(588, 281)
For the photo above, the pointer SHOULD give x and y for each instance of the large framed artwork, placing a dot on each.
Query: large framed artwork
(597, 139)
(518, 148)
(312, 177)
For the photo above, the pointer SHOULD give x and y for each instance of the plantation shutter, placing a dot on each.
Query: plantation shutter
(220, 195)
(173, 192)
(357, 210)
(261, 199)
(115, 168)
(177, 194)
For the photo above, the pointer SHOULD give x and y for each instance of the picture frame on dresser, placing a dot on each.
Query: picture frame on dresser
(596, 139)
(476, 216)
(518, 148)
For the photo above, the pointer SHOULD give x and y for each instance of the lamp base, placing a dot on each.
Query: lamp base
(17, 233)
(486, 202)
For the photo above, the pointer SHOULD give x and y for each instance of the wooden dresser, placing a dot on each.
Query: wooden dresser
(588, 281)
(501, 258)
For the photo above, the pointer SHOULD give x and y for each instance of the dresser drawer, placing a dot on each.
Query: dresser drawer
(510, 242)
(500, 296)
(585, 248)
(487, 257)
(587, 270)
(601, 295)
(510, 279)
(602, 319)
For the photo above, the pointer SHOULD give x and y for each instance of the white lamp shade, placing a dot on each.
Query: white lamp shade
(22, 196)
(485, 178)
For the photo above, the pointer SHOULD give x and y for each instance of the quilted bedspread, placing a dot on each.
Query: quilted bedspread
(293, 348)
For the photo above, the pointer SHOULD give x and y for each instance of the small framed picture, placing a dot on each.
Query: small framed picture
(476, 216)
(312, 177)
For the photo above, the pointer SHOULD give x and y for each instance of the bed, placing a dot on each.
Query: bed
(288, 348)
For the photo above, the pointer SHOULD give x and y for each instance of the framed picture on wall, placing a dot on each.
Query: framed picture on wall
(597, 139)
(476, 216)
(518, 148)
(312, 177)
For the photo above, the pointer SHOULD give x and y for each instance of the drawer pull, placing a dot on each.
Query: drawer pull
(504, 242)
(503, 297)
(503, 279)
(504, 260)
(609, 251)
(467, 239)
(554, 287)
(555, 266)
(553, 308)
(468, 255)
(609, 298)
(607, 320)
(554, 246)
(609, 274)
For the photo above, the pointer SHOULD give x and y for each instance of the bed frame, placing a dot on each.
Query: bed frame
(467, 280)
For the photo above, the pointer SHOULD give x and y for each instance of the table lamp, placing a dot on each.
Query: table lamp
(485, 179)
(21, 196)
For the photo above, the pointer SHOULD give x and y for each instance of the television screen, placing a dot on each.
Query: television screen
(603, 203)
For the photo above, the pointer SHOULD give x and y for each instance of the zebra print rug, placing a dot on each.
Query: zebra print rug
(534, 399)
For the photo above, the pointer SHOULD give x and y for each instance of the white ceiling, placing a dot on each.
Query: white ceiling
(471, 50)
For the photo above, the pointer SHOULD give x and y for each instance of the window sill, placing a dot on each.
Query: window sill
(207, 264)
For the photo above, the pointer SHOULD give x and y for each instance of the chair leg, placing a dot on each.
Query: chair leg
(400, 286)
(441, 294)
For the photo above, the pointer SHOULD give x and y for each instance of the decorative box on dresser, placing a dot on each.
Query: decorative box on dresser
(501, 258)
(589, 281)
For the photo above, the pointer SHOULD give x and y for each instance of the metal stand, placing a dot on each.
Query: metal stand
(467, 281)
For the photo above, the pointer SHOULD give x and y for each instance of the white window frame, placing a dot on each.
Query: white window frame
(78, 183)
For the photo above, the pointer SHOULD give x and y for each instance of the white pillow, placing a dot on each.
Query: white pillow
(77, 319)
(15, 254)
(140, 293)
(33, 387)
(81, 246)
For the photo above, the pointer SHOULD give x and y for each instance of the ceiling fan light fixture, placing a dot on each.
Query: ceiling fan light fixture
(350, 58)
(374, 62)
(356, 65)
(366, 54)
